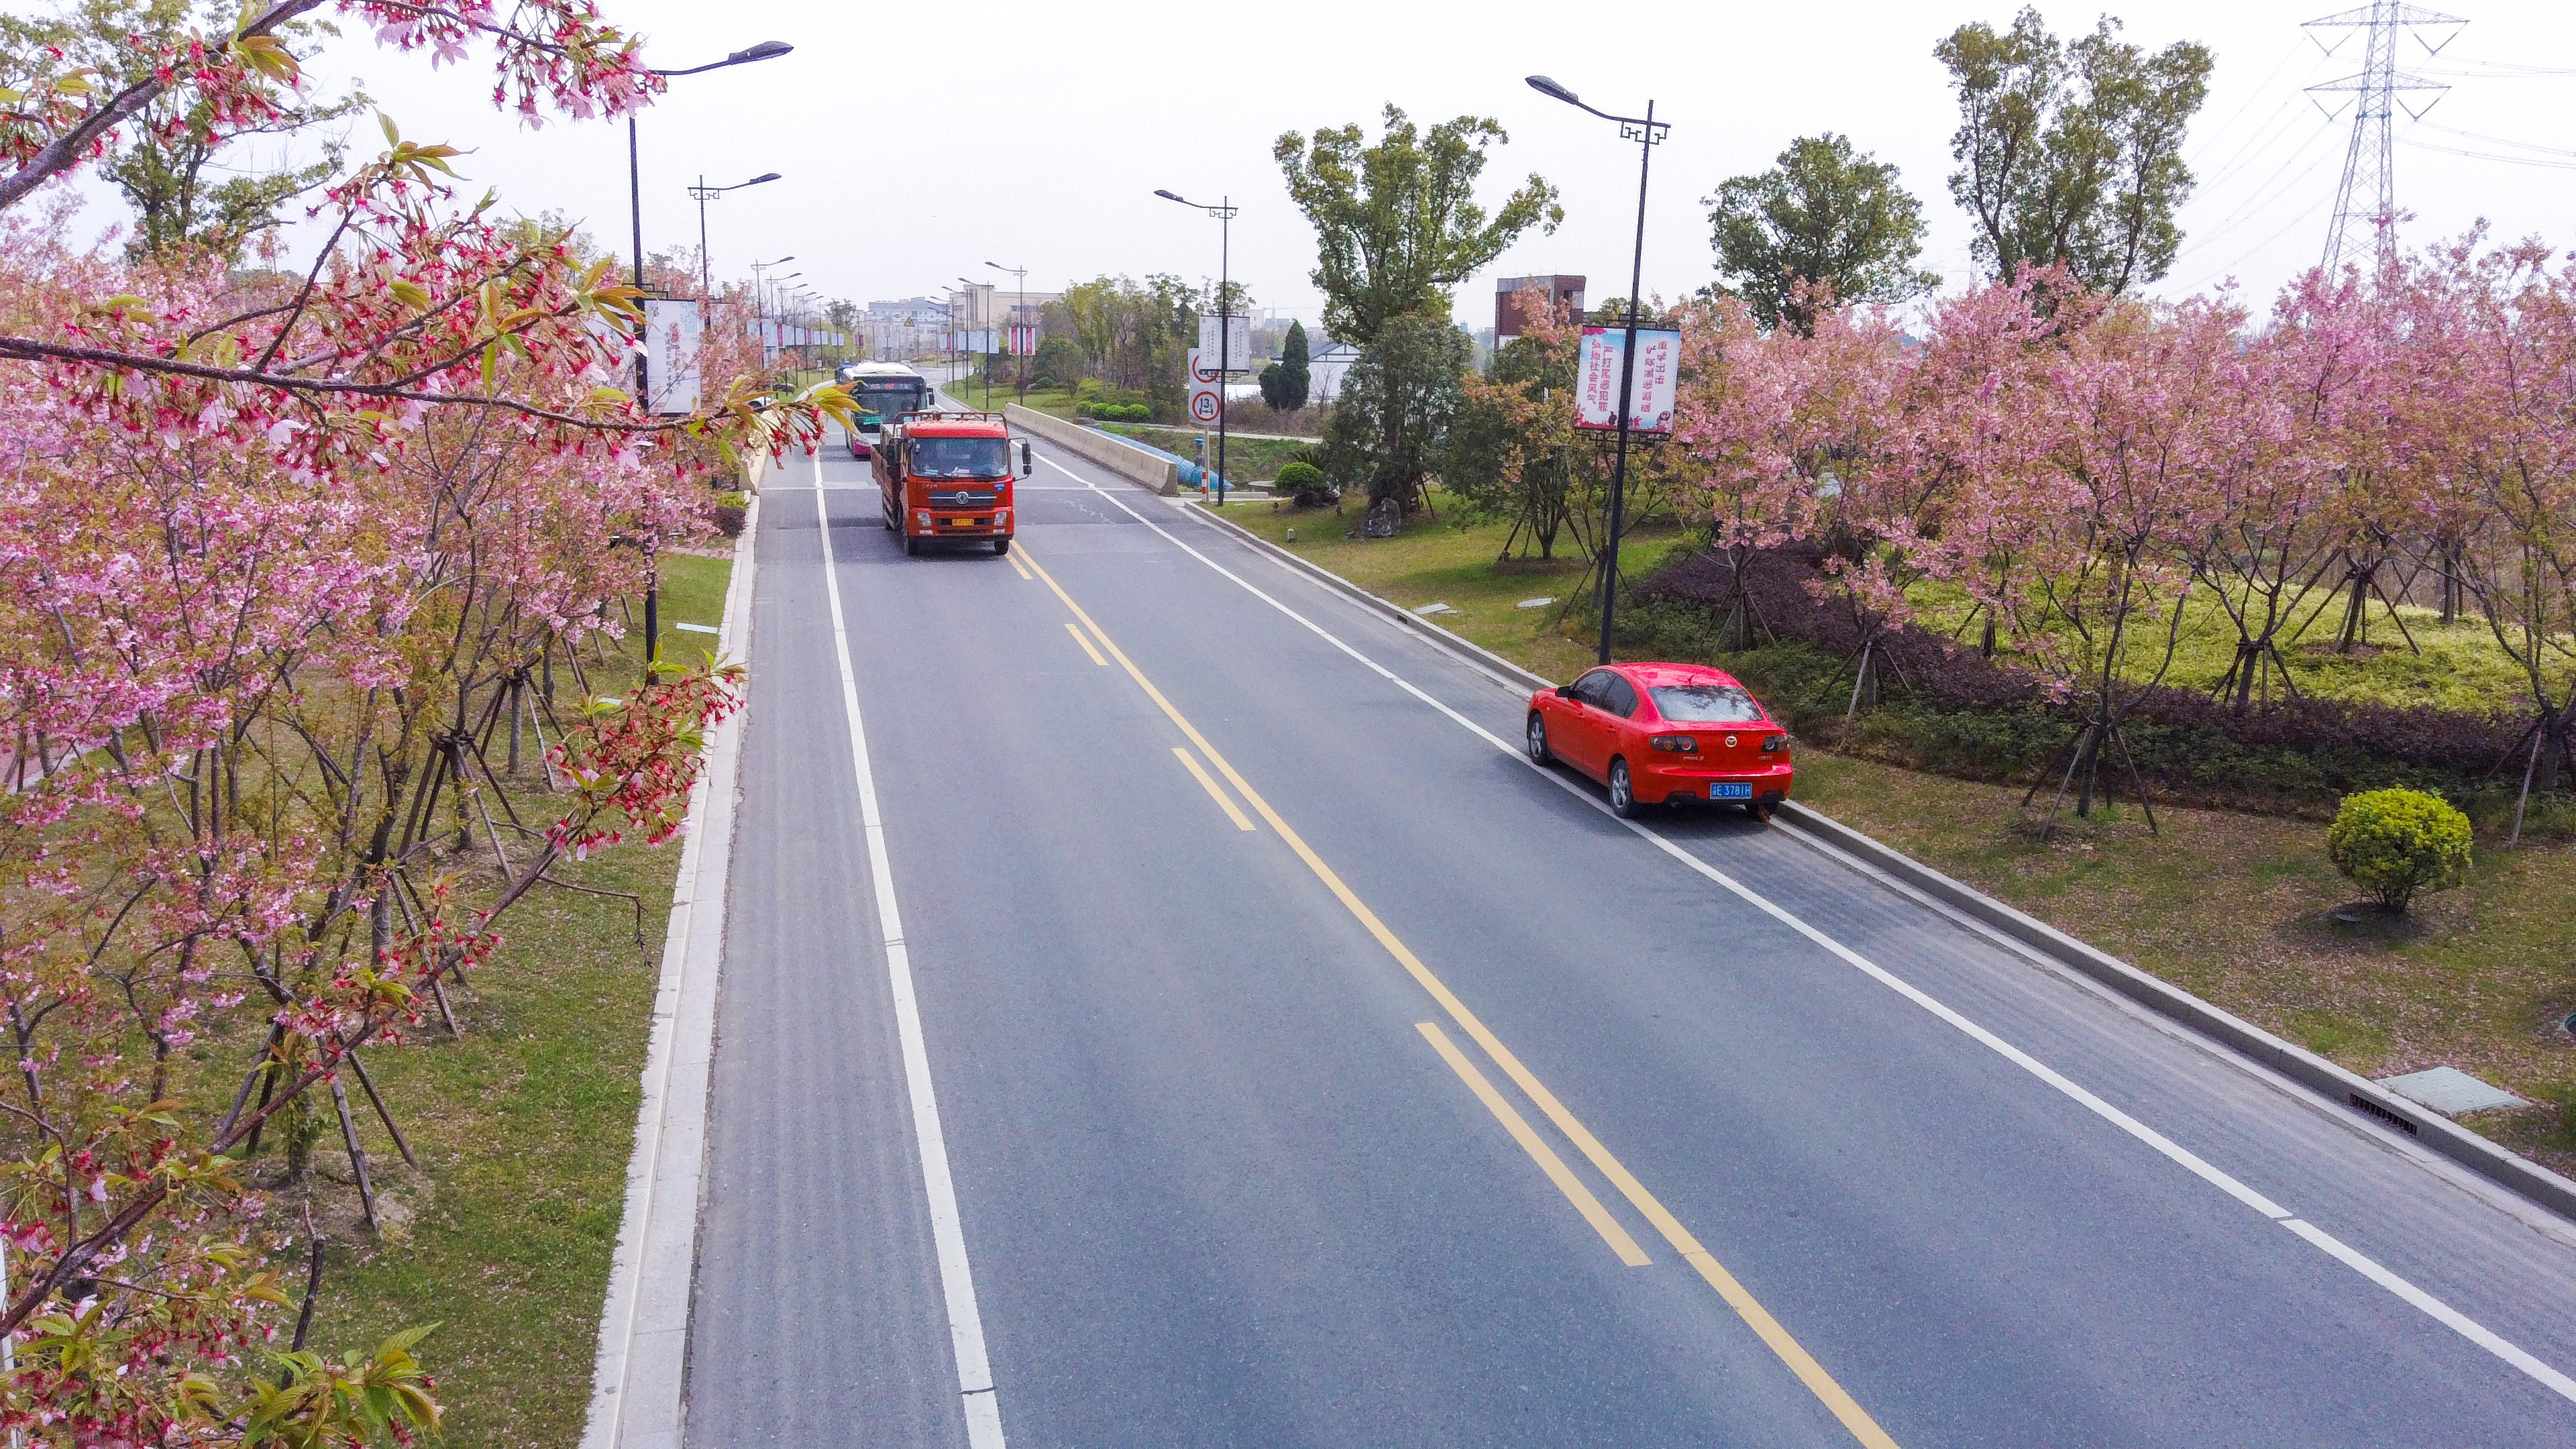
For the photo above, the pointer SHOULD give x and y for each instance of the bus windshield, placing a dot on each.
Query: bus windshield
(890, 398)
(961, 457)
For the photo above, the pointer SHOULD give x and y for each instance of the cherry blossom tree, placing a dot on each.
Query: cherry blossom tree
(293, 563)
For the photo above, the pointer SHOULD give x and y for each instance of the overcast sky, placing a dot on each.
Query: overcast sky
(919, 142)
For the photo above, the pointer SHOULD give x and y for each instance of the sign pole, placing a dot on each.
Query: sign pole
(1627, 383)
(1224, 329)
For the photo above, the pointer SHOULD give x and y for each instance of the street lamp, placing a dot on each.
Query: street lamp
(971, 285)
(760, 294)
(704, 194)
(1224, 212)
(1648, 133)
(766, 50)
(1017, 307)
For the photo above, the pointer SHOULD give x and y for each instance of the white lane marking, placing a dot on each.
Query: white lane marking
(956, 1278)
(2353, 1258)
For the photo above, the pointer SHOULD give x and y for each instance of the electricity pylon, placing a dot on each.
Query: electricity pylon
(2365, 214)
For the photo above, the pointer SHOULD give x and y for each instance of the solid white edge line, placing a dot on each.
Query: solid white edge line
(2183, 1157)
(948, 1233)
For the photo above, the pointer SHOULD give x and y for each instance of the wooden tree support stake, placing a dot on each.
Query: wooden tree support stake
(357, 1156)
(401, 1143)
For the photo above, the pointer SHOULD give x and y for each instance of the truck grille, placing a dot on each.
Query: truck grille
(962, 498)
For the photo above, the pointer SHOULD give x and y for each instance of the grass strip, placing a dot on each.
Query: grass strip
(523, 1128)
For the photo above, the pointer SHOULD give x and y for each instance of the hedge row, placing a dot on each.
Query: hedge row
(1947, 708)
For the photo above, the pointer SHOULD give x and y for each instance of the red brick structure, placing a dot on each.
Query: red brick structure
(1509, 317)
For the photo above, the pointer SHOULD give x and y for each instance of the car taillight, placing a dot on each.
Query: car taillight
(1775, 744)
(1675, 744)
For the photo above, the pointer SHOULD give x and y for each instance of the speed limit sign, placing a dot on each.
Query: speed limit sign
(1206, 403)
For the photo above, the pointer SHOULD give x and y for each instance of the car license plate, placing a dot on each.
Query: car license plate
(1730, 790)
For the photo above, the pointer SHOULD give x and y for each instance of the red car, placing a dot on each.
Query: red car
(1663, 733)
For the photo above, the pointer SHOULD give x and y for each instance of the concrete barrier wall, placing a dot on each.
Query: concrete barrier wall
(1137, 466)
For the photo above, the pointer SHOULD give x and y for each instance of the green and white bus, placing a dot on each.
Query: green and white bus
(884, 391)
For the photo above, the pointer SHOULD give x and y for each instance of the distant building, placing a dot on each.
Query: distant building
(909, 312)
(1325, 365)
(1511, 317)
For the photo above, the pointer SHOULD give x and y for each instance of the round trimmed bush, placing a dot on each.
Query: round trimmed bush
(2399, 843)
(1304, 480)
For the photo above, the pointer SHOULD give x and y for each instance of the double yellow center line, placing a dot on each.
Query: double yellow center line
(1811, 1373)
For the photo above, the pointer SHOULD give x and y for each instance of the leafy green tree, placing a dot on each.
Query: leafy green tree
(1397, 223)
(2072, 153)
(1130, 336)
(1295, 381)
(1511, 444)
(165, 161)
(1058, 363)
(1390, 422)
(1820, 220)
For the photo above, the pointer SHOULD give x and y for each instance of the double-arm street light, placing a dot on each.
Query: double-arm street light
(1017, 307)
(1224, 212)
(704, 194)
(766, 50)
(1648, 133)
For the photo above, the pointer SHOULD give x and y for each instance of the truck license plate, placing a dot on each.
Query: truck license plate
(1730, 790)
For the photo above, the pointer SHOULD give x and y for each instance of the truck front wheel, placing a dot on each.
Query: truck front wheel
(1001, 545)
(911, 545)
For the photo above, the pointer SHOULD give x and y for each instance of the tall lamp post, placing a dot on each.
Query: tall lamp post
(1648, 133)
(1018, 307)
(760, 291)
(766, 50)
(987, 329)
(1224, 212)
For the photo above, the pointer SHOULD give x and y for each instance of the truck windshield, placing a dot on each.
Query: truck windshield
(961, 457)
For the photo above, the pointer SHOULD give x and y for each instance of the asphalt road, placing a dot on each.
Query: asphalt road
(1793, 1160)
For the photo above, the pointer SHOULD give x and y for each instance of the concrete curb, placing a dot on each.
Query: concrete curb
(636, 1381)
(2345, 1089)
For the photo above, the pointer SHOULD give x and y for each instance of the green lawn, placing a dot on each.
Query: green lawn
(1440, 560)
(2455, 667)
(523, 1127)
(1248, 460)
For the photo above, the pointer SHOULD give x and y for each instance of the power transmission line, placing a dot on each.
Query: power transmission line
(2366, 200)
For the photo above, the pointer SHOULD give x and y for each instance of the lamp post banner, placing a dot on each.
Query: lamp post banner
(1238, 342)
(672, 330)
(1650, 397)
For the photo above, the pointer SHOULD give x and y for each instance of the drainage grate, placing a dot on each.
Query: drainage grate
(2369, 1108)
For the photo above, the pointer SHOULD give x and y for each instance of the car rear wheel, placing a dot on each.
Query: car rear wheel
(1536, 737)
(1623, 794)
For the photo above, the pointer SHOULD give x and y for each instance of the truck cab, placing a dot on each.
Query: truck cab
(947, 475)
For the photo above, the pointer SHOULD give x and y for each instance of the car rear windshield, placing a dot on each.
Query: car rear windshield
(961, 457)
(1705, 704)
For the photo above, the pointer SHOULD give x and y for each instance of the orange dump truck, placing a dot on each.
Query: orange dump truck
(947, 475)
